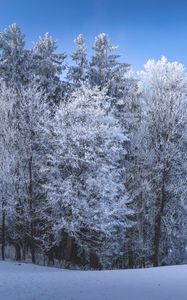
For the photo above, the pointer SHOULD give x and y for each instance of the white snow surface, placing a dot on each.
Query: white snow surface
(32, 282)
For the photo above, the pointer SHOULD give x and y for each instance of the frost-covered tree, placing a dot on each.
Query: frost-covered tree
(14, 59)
(105, 69)
(48, 67)
(21, 155)
(78, 73)
(7, 161)
(160, 157)
(32, 116)
(86, 175)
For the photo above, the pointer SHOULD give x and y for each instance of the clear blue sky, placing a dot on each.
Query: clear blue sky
(143, 29)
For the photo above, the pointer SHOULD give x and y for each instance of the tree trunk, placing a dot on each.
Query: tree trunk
(157, 232)
(3, 232)
(130, 251)
(32, 244)
(18, 252)
(24, 252)
(94, 262)
(69, 246)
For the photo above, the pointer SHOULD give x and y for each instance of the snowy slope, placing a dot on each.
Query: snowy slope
(31, 282)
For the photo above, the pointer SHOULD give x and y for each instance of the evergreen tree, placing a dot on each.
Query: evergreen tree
(14, 59)
(78, 73)
(105, 69)
(48, 67)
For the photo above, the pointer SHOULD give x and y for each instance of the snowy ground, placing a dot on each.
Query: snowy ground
(31, 282)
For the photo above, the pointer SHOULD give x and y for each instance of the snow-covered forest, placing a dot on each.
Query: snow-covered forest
(93, 156)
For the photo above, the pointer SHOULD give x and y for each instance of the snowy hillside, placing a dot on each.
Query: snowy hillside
(31, 282)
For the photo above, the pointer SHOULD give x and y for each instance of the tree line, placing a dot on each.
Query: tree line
(92, 155)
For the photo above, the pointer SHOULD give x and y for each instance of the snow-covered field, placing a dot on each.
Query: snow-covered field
(31, 282)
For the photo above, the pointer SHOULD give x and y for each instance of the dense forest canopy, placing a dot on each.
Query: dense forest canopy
(93, 156)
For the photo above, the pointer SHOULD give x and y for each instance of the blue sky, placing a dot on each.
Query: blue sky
(143, 29)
